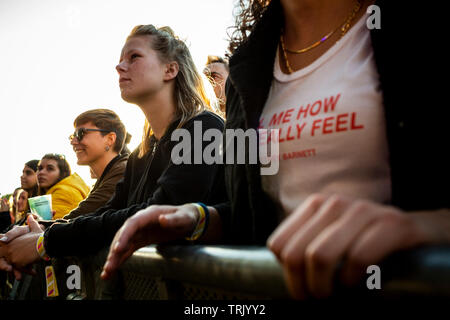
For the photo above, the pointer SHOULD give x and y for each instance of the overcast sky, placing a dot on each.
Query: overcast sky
(58, 59)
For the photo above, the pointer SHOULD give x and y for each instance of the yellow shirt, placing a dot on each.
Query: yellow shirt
(67, 193)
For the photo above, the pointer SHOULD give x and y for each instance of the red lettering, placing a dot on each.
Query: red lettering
(287, 135)
(261, 123)
(299, 129)
(319, 103)
(330, 103)
(353, 126)
(304, 111)
(326, 124)
(314, 126)
(276, 120)
(287, 115)
(280, 139)
(340, 122)
(262, 137)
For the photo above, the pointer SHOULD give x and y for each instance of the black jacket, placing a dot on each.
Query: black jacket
(152, 179)
(411, 62)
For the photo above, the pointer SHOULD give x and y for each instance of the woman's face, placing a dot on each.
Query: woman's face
(141, 72)
(22, 201)
(47, 173)
(92, 146)
(29, 178)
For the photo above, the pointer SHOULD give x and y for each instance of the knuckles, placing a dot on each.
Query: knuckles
(318, 257)
(315, 200)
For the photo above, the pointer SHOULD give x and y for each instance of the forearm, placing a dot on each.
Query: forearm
(84, 235)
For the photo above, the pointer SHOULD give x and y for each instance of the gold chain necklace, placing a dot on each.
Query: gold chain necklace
(344, 28)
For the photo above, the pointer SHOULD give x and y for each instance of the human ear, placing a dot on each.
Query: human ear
(172, 69)
(111, 138)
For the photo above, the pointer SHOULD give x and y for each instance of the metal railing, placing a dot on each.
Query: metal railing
(230, 272)
(191, 272)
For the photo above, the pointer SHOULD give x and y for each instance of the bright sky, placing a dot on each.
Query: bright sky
(58, 59)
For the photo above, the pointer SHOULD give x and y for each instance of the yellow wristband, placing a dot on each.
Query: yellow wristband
(198, 231)
(40, 248)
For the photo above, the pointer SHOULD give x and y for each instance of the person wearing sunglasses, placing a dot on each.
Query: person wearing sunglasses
(98, 142)
(156, 73)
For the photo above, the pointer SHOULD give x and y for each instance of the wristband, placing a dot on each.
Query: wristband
(40, 248)
(50, 281)
(202, 223)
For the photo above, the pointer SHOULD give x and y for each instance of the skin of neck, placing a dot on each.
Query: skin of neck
(159, 109)
(307, 21)
(100, 164)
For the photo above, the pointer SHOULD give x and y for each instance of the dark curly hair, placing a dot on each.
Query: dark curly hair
(247, 13)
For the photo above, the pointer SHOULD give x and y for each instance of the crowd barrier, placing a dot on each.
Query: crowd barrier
(192, 272)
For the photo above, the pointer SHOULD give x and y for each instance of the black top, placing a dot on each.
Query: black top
(411, 64)
(5, 221)
(152, 179)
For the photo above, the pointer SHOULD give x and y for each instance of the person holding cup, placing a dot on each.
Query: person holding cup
(157, 73)
(55, 179)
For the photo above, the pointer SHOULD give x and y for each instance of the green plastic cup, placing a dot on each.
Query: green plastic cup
(42, 206)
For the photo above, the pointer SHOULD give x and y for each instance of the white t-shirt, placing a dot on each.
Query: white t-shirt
(332, 134)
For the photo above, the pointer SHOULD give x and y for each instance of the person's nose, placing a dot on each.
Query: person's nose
(74, 141)
(121, 67)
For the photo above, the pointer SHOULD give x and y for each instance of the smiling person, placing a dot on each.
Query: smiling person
(55, 178)
(157, 73)
(365, 191)
(98, 142)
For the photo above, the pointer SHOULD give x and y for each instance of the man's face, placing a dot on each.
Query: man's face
(217, 75)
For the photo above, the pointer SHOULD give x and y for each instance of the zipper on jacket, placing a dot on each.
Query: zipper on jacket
(154, 148)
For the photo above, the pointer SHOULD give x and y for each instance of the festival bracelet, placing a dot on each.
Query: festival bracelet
(40, 248)
(202, 223)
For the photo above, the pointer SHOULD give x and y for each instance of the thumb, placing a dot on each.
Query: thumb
(33, 224)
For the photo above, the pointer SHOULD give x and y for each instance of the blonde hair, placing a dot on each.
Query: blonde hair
(190, 94)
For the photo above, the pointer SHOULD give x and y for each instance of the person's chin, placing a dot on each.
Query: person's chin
(129, 97)
(82, 162)
(126, 97)
(45, 185)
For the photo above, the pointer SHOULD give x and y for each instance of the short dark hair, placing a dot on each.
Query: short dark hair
(217, 59)
(104, 119)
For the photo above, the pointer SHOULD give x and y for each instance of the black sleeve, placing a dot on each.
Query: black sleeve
(178, 184)
(5, 221)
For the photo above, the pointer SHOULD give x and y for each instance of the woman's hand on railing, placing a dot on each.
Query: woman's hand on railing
(155, 224)
(324, 230)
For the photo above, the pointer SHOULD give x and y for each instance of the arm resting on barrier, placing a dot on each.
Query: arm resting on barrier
(329, 229)
(157, 224)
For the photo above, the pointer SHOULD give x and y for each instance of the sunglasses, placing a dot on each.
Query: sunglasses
(79, 133)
